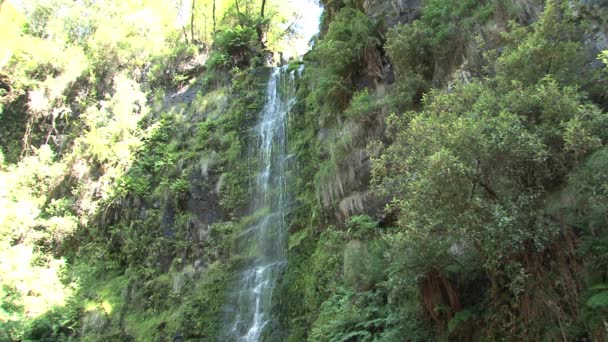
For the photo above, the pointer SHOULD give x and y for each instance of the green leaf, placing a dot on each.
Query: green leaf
(599, 300)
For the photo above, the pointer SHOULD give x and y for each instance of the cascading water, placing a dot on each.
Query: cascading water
(265, 240)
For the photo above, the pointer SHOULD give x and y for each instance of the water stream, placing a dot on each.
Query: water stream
(248, 316)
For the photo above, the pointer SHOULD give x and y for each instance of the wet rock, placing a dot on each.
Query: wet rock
(203, 201)
(167, 219)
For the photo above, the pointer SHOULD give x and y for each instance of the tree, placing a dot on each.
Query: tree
(192, 12)
(214, 20)
(262, 9)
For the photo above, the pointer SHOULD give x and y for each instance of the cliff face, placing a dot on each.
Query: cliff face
(393, 12)
(348, 186)
(406, 107)
(596, 34)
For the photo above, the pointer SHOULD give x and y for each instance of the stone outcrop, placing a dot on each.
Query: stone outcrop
(393, 11)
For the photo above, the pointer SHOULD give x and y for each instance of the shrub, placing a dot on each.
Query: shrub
(363, 107)
(233, 47)
(340, 55)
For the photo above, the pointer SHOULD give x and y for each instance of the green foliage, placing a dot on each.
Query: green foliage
(598, 300)
(497, 185)
(544, 132)
(227, 139)
(449, 20)
(440, 34)
(466, 190)
(486, 155)
(234, 47)
(180, 187)
(220, 237)
(135, 182)
(98, 239)
(59, 324)
(460, 318)
(547, 47)
(348, 316)
(362, 227)
(338, 57)
(326, 262)
(202, 315)
(604, 57)
(363, 265)
(363, 107)
(11, 317)
(582, 204)
(409, 49)
(165, 70)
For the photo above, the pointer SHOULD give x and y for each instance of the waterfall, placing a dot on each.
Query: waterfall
(265, 239)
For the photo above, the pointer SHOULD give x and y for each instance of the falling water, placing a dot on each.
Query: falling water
(248, 315)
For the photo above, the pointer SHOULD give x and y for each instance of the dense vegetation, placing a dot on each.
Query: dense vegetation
(486, 215)
(123, 139)
(451, 177)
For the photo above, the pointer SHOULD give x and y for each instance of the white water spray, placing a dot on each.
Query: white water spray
(248, 315)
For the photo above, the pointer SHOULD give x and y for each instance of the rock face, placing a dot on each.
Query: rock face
(595, 43)
(595, 39)
(204, 201)
(393, 11)
(346, 193)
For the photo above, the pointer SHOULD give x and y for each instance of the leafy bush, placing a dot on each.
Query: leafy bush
(202, 314)
(362, 227)
(548, 47)
(437, 38)
(180, 187)
(234, 47)
(363, 107)
(363, 265)
(409, 49)
(326, 261)
(339, 56)
(348, 316)
(486, 155)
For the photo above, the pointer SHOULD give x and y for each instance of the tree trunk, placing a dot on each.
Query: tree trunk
(192, 21)
(185, 34)
(260, 27)
(238, 13)
(213, 16)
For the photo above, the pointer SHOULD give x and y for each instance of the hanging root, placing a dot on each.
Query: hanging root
(439, 297)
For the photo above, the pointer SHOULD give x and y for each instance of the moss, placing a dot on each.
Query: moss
(201, 314)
